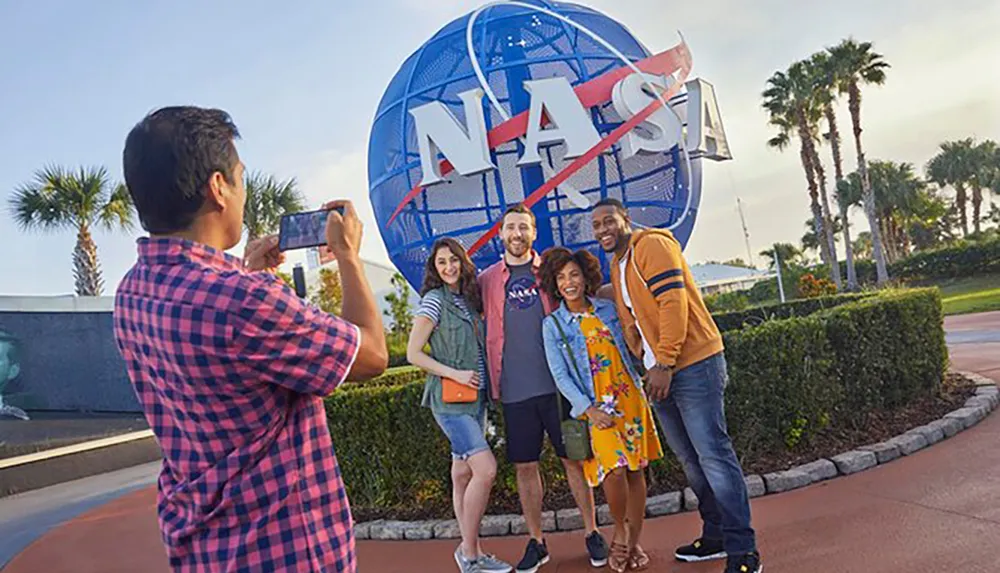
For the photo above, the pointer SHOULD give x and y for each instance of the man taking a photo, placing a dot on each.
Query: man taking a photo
(230, 366)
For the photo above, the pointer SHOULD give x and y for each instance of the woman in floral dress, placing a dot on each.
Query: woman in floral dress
(593, 369)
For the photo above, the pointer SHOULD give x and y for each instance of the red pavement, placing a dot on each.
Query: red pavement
(937, 510)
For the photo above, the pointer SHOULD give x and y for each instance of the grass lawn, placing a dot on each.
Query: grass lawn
(969, 295)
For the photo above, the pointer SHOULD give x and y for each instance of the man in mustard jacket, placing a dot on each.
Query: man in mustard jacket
(668, 326)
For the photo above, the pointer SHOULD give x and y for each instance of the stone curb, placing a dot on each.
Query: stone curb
(975, 409)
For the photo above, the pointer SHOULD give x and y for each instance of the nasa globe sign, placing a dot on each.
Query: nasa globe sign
(549, 104)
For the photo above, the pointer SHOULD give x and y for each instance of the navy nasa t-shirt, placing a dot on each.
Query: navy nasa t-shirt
(525, 373)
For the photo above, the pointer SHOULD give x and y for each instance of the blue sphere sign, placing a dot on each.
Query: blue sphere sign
(549, 104)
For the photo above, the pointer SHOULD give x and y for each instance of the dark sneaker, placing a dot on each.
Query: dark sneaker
(536, 555)
(701, 550)
(749, 563)
(597, 547)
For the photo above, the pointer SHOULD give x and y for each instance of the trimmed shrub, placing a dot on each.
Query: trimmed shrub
(961, 260)
(801, 307)
(789, 379)
(783, 385)
(890, 349)
(394, 376)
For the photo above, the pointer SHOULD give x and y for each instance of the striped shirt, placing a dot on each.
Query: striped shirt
(430, 308)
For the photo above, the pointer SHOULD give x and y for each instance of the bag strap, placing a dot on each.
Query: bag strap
(572, 359)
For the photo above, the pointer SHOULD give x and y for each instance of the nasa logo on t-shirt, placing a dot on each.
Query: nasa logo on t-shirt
(522, 293)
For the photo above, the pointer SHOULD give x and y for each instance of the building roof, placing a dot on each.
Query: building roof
(715, 274)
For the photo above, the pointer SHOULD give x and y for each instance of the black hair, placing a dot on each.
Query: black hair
(168, 160)
(612, 202)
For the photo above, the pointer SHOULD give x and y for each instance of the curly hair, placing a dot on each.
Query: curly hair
(467, 284)
(553, 261)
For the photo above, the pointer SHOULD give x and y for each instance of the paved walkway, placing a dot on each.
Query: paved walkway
(934, 511)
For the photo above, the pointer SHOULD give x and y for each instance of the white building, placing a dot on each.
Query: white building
(718, 279)
(379, 277)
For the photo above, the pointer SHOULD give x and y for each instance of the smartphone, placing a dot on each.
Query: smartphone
(303, 230)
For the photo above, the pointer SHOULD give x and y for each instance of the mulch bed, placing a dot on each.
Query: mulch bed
(880, 426)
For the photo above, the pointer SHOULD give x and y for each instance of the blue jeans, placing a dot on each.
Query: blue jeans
(466, 433)
(694, 423)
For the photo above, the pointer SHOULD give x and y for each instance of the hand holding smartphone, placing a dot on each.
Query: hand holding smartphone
(306, 229)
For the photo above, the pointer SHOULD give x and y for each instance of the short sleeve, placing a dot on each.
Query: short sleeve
(291, 343)
(430, 307)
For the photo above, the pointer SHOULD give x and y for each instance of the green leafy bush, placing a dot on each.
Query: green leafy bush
(801, 307)
(727, 302)
(394, 376)
(789, 379)
(963, 259)
(889, 348)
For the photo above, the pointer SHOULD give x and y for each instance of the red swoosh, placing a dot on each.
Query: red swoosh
(590, 94)
(586, 158)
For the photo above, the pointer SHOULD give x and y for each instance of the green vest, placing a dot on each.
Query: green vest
(456, 343)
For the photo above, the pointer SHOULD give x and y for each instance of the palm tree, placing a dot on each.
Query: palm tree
(57, 199)
(267, 200)
(908, 213)
(826, 88)
(789, 99)
(810, 240)
(857, 64)
(985, 158)
(787, 252)
(955, 166)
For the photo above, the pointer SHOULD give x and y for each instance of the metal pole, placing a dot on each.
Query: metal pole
(777, 265)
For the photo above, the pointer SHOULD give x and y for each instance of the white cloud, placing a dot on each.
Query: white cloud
(335, 174)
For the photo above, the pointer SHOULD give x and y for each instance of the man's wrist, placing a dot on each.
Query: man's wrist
(663, 367)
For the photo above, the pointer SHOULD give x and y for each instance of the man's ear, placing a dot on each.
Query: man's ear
(216, 194)
(14, 371)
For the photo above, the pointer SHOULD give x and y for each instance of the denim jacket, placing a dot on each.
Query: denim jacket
(579, 390)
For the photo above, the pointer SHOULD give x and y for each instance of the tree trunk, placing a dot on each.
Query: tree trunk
(960, 200)
(868, 196)
(977, 205)
(838, 172)
(852, 273)
(86, 268)
(827, 236)
(807, 153)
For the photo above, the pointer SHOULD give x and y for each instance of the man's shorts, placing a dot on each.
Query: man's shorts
(527, 421)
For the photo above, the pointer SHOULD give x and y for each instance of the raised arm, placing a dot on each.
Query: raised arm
(343, 237)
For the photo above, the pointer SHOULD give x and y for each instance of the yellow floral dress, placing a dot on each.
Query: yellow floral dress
(632, 442)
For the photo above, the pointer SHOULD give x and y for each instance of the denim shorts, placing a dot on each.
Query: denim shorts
(466, 433)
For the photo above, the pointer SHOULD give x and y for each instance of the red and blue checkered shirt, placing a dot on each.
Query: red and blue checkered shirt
(230, 368)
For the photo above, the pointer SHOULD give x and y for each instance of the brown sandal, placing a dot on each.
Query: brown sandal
(619, 558)
(638, 560)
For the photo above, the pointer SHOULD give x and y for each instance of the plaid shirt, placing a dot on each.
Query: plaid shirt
(230, 367)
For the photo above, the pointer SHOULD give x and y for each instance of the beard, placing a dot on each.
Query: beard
(517, 248)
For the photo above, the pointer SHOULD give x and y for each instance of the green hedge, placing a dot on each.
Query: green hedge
(800, 307)
(394, 376)
(889, 348)
(788, 379)
(961, 260)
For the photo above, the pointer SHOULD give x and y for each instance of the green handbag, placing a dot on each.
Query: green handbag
(575, 433)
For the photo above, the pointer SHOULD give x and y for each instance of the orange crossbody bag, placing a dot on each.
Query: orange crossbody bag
(454, 392)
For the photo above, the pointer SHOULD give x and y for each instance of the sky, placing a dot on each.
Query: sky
(302, 80)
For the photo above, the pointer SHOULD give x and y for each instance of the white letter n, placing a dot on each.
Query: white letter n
(466, 147)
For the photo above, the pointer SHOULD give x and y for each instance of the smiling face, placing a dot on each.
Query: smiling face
(448, 266)
(571, 283)
(611, 228)
(517, 234)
